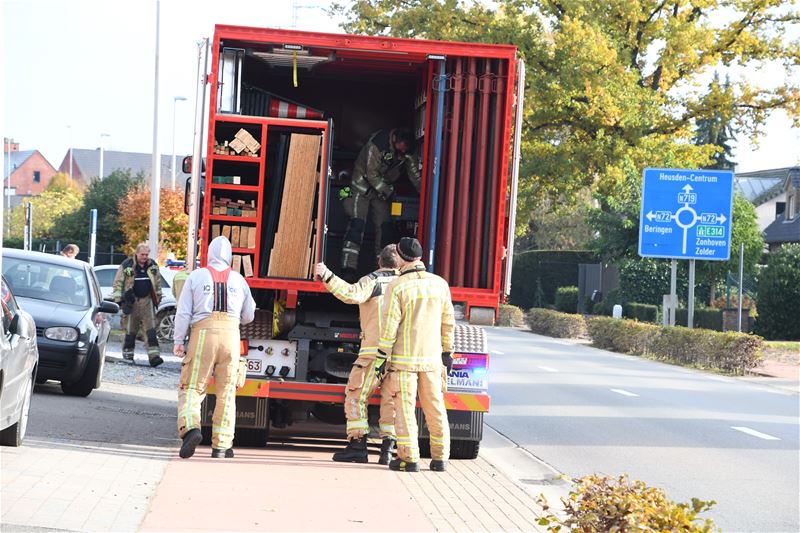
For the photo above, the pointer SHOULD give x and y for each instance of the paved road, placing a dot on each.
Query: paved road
(692, 433)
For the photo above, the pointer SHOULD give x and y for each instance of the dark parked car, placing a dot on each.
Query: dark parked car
(72, 328)
(18, 360)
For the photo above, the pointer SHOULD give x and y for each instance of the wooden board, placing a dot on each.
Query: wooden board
(288, 258)
(235, 239)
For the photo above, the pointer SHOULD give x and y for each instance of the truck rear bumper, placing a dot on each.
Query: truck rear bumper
(334, 393)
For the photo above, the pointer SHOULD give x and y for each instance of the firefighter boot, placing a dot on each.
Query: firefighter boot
(153, 353)
(190, 441)
(218, 453)
(128, 346)
(403, 466)
(355, 452)
(387, 449)
(438, 465)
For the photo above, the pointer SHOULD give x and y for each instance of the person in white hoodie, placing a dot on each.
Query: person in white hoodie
(214, 301)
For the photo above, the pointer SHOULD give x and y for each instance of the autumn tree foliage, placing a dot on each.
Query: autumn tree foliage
(134, 216)
(614, 86)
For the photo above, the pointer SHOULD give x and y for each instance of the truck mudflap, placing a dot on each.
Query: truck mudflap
(466, 432)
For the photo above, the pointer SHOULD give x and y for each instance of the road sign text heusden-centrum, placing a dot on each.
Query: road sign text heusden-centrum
(686, 214)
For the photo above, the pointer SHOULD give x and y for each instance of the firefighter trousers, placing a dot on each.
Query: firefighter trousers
(357, 207)
(361, 383)
(142, 316)
(431, 386)
(213, 351)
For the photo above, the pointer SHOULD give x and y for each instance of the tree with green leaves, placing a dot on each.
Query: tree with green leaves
(717, 130)
(103, 195)
(49, 208)
(612, 87)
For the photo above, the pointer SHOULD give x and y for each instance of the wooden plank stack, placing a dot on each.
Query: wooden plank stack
(243, 143)
(292, 253)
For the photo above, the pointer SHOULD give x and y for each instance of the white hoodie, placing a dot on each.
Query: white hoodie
(197, 296)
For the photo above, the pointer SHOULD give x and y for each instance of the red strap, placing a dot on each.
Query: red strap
(219, 277)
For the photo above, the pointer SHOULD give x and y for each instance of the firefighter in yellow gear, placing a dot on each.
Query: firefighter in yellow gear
(382, 161)
(214, 301)
(363, 380)
(417, 339)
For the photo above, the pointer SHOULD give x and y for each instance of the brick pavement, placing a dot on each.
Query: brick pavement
(77, 485)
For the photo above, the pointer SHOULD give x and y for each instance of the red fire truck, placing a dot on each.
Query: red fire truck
(288, 112)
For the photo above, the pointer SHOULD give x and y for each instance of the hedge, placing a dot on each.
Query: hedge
(567, 299)
(555, 324)
(510, 316)
(731, 352)
(706, 318)
(779, 295)
(642, 312)
(537, 274)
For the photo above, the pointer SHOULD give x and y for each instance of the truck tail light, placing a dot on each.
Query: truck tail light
(244, 347)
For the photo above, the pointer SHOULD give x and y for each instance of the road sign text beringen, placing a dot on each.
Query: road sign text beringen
(686, 214)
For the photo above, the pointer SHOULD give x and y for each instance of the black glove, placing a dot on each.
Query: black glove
(380, 363)
(447, 361)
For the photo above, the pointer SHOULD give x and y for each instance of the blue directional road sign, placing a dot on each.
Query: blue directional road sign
(686, 214)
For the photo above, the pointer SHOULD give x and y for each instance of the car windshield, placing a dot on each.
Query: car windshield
(44, 281)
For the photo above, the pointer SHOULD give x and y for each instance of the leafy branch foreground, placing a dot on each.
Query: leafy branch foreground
(600, 503)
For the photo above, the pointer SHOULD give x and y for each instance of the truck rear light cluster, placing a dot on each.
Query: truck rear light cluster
(244, 347)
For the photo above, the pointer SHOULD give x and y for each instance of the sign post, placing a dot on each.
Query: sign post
(686, 214)
(93, 236)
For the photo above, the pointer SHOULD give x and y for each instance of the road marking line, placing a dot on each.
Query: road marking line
(497, 352)
(754, 433)
(548, 369)
(623, 392)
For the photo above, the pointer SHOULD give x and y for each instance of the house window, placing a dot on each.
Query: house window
(791, 207)
(37, 176)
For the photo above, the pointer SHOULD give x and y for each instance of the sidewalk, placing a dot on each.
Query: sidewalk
(298, 488)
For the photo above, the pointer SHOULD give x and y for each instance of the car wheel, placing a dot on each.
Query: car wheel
(13, 435)
(86, 384)
(165, 325)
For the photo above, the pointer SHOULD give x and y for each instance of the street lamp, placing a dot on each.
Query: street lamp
(175, 101)
(100, 176)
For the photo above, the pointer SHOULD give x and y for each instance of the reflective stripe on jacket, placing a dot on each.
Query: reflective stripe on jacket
(418, 320)
(368, 294)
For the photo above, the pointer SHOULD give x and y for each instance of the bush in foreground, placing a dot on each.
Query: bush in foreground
(555, 324)
(607, 504)
(510, 316)
(731, 352)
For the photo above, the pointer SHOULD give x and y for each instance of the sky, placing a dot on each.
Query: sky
(75, 69)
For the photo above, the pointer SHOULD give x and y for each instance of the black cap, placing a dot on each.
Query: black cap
(409, 249)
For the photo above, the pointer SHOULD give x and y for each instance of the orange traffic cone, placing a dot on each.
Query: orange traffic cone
(282, 109)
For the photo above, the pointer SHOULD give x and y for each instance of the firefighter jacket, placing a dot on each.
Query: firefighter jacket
(378, 166)
(123, 280)
(418, 321)
(368, 294)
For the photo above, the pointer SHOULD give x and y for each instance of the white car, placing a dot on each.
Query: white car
(165, 315)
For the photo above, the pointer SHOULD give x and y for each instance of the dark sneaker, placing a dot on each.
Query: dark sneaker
(355, 452)
(403, 466)
(190, 441)
(218, 453)
(155, 361)
(438, 465)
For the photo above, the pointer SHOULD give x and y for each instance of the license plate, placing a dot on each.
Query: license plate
(254, 365)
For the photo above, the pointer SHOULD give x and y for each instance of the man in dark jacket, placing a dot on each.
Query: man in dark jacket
(384, 159)
(137, 287)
